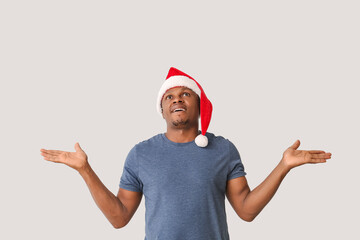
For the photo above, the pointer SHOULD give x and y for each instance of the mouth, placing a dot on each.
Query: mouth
(179, 110)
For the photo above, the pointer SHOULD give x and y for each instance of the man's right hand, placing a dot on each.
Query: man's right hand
(76, 160)
(117, 209)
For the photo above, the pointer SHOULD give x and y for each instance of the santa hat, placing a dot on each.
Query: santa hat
(176, 78)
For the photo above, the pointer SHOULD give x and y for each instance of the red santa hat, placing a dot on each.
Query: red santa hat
(177, 78)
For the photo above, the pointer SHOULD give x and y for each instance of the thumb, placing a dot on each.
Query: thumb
(78, 148)
(295, 145)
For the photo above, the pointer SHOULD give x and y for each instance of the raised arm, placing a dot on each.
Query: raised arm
(117, 209)
(248, 204)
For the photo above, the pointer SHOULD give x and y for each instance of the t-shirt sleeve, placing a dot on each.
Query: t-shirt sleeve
(236, 166)
(130, 177)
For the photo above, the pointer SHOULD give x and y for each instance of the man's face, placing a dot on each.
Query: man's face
(180, 107)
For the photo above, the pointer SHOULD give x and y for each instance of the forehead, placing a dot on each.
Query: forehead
(179, 88)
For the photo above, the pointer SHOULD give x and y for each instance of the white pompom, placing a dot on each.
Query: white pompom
(201, 140)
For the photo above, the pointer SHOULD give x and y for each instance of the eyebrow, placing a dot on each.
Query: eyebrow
(182, 89)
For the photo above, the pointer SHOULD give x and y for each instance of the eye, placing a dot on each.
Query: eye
(168, 97)
(186, 94)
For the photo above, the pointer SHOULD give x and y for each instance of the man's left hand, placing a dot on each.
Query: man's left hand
(293, 157)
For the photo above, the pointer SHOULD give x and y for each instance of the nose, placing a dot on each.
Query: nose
(178, 99)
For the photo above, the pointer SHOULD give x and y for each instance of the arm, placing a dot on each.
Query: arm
(117, 209)
(248, 204)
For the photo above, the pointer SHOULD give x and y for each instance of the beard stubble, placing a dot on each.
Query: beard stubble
(180, 123)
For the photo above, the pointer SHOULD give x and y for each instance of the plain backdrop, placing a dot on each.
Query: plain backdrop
(89, 72)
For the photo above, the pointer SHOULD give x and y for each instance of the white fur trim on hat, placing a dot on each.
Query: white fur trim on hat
(176, 81)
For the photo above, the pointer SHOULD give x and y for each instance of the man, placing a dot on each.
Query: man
(184, 173)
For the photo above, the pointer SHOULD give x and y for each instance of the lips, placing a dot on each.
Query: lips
(178, 108)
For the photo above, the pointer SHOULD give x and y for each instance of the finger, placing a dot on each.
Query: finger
(52, 152)
(48, 155)
(295, 145)
(44, 150)
(318, 160)
(44, 154)
(51, 158)
(322, 155)
(77, 147)
(316, 151)
(55, 151)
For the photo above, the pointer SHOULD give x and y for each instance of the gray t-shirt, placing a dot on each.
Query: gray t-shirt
(184, 186)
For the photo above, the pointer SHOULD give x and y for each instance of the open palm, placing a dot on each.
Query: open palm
(293, 157)
(76, 160)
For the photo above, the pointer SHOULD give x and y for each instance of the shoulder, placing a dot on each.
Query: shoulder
(220, 144)
(217, 139)
(147, 145)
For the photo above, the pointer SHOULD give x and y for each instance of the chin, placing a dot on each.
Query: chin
(178, 123)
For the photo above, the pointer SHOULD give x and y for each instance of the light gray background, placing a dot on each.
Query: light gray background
(89, 71)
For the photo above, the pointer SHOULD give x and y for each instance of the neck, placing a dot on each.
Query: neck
(182, 135)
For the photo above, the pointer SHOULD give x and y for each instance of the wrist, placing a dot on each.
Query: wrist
(85, 169)
(284, 166)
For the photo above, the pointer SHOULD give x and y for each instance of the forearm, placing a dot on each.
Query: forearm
(108, 203)
(257, 199)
